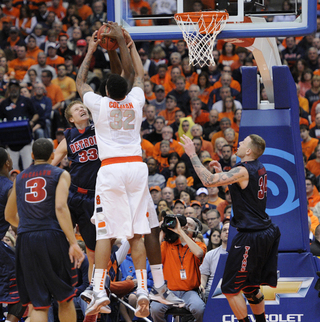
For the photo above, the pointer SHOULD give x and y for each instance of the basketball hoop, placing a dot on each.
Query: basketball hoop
(200, 30)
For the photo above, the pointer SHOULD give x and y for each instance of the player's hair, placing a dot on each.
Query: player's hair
(3, 157)
(42, 149)
(258, 145)
(117, 87)
(67, 112)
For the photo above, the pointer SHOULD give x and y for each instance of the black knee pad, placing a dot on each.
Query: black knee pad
(17, 309)
(251, 294)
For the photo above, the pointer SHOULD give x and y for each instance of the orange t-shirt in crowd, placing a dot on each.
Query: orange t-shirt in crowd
(169, 115)
(220, 135)
(234, 84)
(314, 221)
(221, 207)
(21, 66)
(60, 12)
(303, 103)
(229, 115)
(204, 96)
(202, 118)
(55, 62)
(172, 265)
(150, 97)
(314, 167)
(313, 110)
(55, 93)
(228, 60)
(308, 147)
(235, 126)
(13, 14)
(155, 79)
(171, 183)
(162, 162)
(207, 146)
(216, 203)
(34, 53)
(147, 147)
(174, 147)
(313, 200)
(136, 6)
(84, 12)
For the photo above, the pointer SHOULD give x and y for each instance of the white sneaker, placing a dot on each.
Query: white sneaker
(165, 296)
(99, 300)
(142, 309)
(86, 295)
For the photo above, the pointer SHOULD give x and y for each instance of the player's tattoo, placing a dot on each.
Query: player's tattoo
(83, 74)
(138, 82)
(208, 179)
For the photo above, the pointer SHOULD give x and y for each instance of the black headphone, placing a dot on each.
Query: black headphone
(198, 227)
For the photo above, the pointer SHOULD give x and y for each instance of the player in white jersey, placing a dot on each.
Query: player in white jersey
(122, 185)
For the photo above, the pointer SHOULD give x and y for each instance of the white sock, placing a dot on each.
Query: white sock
(157, 274)
(99, 279)
(92, 275)
(142, 278)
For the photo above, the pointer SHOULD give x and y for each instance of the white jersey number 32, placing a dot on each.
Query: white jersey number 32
(122, 119)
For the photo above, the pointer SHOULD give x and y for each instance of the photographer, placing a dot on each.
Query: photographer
(181, 259)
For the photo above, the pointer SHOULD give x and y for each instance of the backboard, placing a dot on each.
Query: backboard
(156, 22)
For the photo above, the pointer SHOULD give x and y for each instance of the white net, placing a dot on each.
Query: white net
(200, 32)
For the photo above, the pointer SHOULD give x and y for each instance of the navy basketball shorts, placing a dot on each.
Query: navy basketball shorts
(44, 269)
(252, 260)
(81, 208)
(8, 284)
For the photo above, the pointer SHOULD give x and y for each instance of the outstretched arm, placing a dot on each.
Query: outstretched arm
(81, 81)
(208, 179)
(137, 64)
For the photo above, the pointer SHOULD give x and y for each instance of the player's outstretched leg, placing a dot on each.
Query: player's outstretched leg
(238, 306)
(256, 301)
(67, 312)
(160, 291)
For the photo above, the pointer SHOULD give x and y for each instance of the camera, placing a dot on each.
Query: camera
(169, 221)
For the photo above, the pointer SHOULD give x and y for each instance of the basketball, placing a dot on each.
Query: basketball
(106, 42)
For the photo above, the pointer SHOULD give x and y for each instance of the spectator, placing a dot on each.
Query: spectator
(183, 277)
(312, 58)
(224, 92)
(225, 161)
(230, 136)
(21, 64)
(156, 136)
(158, 57)
(66, 83)
(199, 116)
(210, 262)
(148, 65)
(314, 165)
(212, 126)
(81, 53)
(40, 67)
(228, 56)
(25, 22)
(180, 169)
(162, 158)
(32, 49)
(10, 11)
(236, 120)
(71, 69)
(196, 131)
(53, 59)
(175, 61)
(58, 9)
(137, 5)
(303, 102)
(63, 49)
(171, 108)
(41, 101)
(170, 82)
(184, 52)
(160, 101)
(75, 36)
(181, 94)
(312, 95)
(154, 178)
(167, 134)
(38, 34)
(160, 78)
(48, 25)
(168, 196)
(214, 240)
(24, 109)
(84, 10)
(225, 203)
(176, 124)
(155, 192)
(147, 125)
(202, 196)
(185, 196)
(291, 53)
(179, 207)
(315, 246)
(308, 143)
(224, 124)
(98, 14)
(315, 131)
(182, 185)
(168, 47)
(213, 196)
(228, 108)
(148, 92)
(42, 12)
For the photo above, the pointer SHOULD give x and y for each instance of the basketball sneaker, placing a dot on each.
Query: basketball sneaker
(165, 296)
(98, 301)
(142, 309)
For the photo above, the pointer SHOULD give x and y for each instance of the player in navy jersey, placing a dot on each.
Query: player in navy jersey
(80, 146)
(38, 207)
(8, 284)
(253, 255)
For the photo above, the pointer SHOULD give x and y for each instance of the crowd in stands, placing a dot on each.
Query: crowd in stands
(42, 45)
